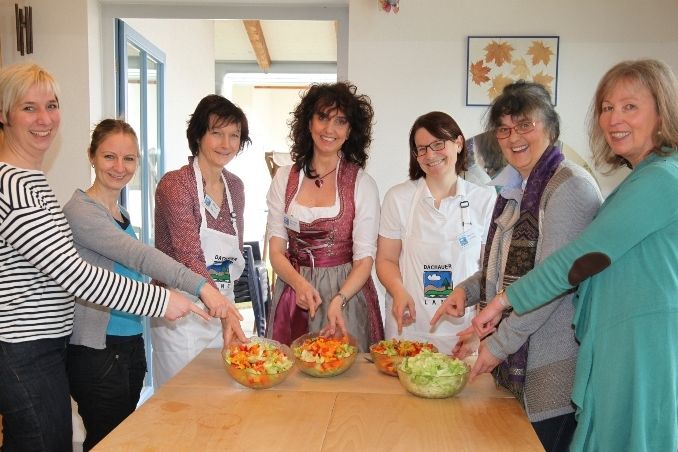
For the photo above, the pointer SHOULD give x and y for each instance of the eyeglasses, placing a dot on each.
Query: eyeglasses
(436, 146)
(522, 128)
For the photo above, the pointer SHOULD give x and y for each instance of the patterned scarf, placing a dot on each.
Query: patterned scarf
(521, 257)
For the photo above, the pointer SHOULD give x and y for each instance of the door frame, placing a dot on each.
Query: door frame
(125, 34)
(112, 11)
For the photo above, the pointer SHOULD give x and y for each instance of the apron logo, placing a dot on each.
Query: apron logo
(437, 284)
(219, 270)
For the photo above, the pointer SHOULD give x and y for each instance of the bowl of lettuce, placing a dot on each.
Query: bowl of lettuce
(387, 354)
(324, 356)
(433, 375)
(258, 364)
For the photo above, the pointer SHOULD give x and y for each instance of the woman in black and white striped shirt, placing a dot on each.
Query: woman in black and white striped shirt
(41, 272)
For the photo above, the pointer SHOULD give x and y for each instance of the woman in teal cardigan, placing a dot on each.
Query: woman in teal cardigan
(626, 266)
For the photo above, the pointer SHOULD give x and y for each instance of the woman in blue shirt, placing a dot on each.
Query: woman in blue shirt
(106, 356)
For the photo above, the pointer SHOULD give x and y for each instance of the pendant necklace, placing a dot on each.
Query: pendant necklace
(319, 181)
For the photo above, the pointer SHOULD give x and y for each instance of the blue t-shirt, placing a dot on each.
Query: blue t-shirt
(122, 323)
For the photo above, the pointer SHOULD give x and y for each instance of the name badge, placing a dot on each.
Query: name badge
(291, 223)
(466, 239)
(211, 206)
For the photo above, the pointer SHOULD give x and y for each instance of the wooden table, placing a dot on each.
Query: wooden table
(203, 409)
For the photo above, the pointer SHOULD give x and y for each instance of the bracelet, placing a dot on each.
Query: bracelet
(344, 300)
(503, 299)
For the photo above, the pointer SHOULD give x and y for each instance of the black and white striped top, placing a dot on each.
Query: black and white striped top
(41, 272)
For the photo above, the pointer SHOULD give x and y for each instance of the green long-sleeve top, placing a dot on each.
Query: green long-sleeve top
(626, 316)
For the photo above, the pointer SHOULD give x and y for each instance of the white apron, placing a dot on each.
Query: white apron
(175, 344)
(437, 253)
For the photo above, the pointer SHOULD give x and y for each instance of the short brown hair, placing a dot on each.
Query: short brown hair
(214, 110)
(442, 126)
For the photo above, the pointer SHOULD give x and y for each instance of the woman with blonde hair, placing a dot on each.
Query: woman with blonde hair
(42, 273)
(625, 265)
(106, 353)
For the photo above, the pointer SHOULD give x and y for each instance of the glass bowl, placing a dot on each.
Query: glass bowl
(433, 375)
(388, 354)
(258, 364)
(324, 356)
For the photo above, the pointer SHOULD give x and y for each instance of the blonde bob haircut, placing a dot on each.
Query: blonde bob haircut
(16, 80)
(660, 80)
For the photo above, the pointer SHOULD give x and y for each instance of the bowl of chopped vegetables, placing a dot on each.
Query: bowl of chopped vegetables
(433, 375)
(388, 354)
(323, 356)
(258, 364)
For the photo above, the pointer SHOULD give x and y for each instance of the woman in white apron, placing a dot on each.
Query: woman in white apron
(199, 222)
(431, 233)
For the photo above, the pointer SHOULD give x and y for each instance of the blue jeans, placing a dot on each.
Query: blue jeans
(106, 384)
(34, 401)
(556, 433)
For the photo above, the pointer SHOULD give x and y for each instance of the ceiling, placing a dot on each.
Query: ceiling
(289, 44)
(274, 42)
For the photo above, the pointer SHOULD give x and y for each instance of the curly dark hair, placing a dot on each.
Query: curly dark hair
(224, 111)
(342, 96)
(523, 98)
(443, 127)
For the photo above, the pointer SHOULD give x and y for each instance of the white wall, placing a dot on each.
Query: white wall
(414, 61)
(189, 75)
(61, 45)
(268, 112)
(409, 63)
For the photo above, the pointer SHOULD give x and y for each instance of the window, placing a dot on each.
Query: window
(140, 101)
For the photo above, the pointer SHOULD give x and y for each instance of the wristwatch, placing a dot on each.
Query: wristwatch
(503, 299)
(344, 300)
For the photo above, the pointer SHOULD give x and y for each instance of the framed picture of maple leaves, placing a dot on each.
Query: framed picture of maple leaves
(495, 61)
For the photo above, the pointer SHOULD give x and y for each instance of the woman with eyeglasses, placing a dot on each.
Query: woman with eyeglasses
(544, 203)
(431, 234)
(624, 266)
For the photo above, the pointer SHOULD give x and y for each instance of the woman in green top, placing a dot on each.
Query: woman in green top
(626, 266)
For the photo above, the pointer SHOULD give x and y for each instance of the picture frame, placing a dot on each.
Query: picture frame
(496, 61)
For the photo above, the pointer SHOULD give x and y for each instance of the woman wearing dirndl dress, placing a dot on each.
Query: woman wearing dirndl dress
(323, 222)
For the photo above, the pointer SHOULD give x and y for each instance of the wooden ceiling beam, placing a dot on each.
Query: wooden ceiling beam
(258, 42)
